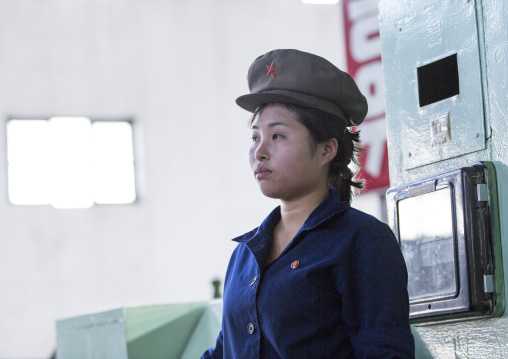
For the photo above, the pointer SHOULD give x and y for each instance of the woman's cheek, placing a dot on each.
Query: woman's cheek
(252, 152)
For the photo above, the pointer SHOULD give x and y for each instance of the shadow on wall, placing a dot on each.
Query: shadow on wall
(421, 350)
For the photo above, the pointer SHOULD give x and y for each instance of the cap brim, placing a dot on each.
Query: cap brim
(250, 102)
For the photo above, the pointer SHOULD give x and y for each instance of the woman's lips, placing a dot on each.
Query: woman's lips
(262, 172)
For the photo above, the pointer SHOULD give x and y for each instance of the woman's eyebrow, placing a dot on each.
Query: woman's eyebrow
(272, 124)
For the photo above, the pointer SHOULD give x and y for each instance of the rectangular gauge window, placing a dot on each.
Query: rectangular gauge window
(428, 243)
(438, 80)
(448, 230)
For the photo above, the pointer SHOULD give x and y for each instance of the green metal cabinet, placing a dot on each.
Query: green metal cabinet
(155, 332)
(427, 138)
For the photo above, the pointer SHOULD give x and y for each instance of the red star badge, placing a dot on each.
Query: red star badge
(271, 70)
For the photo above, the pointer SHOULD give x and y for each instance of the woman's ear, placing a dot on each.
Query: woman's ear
(328, 150)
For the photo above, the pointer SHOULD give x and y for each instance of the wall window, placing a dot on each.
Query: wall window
(70, 162)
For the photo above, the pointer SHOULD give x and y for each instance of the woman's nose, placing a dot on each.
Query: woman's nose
(262, 152)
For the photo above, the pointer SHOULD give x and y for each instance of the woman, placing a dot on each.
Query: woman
(317, 279)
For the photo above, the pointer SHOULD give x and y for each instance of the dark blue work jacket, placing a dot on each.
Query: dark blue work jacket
(339, 290)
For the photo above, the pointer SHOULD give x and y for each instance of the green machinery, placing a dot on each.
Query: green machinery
(171, 331)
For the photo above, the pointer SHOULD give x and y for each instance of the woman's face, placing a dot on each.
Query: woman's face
(283, 158)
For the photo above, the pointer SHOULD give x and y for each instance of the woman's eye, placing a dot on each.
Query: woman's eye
(277, 135)
(254, 138)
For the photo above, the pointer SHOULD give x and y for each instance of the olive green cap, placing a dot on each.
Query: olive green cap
(301, 78)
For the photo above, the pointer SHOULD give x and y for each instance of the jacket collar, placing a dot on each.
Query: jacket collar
(258, 240)
(331, 206)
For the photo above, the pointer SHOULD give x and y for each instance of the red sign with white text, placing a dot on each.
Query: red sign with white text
(364, 65)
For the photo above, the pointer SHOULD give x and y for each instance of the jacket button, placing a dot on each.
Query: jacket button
(250, 328)
(253, 281)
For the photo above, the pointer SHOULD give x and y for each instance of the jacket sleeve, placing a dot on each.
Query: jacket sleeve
(217, 352)
(381, 303)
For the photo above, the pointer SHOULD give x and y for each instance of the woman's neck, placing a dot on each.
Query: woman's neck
(295, 212)
(293, 215)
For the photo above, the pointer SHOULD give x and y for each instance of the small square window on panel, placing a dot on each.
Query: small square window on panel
(438, 80)
(70, 162)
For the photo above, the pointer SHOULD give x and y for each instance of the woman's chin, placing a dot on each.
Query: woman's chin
(270, 192)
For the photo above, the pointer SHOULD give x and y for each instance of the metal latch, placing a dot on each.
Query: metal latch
(488, 283)
(482, 192)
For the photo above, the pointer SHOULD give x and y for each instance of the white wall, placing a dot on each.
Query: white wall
(373, 203)
(175, 67)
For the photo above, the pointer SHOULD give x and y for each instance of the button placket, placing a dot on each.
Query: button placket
(250, 326)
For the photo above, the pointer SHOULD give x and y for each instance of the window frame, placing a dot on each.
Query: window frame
(135, 162)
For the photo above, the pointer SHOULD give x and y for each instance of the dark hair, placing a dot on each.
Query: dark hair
(322, 127)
